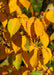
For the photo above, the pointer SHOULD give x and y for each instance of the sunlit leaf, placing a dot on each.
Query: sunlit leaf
(13, 26)
(38, 26)
(26, 72)
(25, 43)
(14, 7)
(26, 37)
(44, 39)
(4, 23)
(44, 20)
(24, 20)
(25, 3)
(29, 24)
(17, 61)
(50, 16)
(46, 55)
(33, 60)
(16, 48)
(31, 48)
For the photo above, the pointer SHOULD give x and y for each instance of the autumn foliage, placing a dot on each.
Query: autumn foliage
(26, 45)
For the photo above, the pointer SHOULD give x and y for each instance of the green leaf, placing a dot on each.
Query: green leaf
(13, 26)
(37, 72)
(36, 4)
(38, 43)
(12, 14)
(11, 58)
(10, 71)
(50, 64)
(26, 11)
(17, 61)
(27, 44)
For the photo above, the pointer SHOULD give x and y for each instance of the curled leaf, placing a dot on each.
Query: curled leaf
(29, 24)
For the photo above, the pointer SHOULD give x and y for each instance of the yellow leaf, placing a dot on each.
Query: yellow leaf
(46, 55)
(49, 52)
(4, 73)
(33, 60)
(25, 3)
(26, 72)
(16, 48)
(24, 42)
(29, 23)
(44, 20)
(50, 16)
(31, 48)
(8, 51)
(51, 68)
(13, 26)
(52, 36)
(4, 23)
(14, 7)
(39, 28)
(24, 20)
(44, 39)
(25, 62)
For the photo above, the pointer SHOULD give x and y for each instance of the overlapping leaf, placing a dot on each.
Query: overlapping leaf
(25, 3)
(17, 61)
(14, 7)
(50, 16)
(44, 39)
(39, 28)
(13, 26)
(52, 37)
